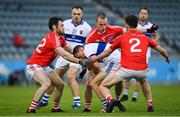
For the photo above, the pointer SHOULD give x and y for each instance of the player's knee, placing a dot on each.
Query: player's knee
(92, 84)
(46, 85)
(61, 86)
(101, 86)
(71, 79)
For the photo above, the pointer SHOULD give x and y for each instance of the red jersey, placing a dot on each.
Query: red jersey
(45, 53)
(108, 36)
(134, 45)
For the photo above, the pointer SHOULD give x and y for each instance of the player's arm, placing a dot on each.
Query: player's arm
(156, 36)
(66, 55)
(68, 48)
(102, 55)
(163, 52)
(70, 57)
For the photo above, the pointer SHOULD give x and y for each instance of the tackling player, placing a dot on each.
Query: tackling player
(103, 32)
(134, 45)
(76, 30)
(143, 25)
(38, 64)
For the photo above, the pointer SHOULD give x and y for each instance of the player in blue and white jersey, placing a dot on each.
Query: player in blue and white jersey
(110, 64)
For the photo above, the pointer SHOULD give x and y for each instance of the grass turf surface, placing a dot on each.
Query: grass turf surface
(15, 100)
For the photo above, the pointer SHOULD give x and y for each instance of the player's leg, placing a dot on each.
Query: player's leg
(40, 77)
(45, 98)
(59, 86)
(94, 69)
(137, 87)
(88, 93)
(118, 90)
(95, 86)
(125, 90)
(71, 74)
(104, 87)
(148, 95)
(61, 67)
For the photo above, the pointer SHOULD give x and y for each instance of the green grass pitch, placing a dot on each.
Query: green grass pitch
(15, 100)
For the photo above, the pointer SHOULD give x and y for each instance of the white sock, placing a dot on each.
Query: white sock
(126, 91)
(135, 94)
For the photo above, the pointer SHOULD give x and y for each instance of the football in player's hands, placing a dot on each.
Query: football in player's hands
(153, 28)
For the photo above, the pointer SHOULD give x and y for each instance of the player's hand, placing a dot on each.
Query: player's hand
(167, 60)
(92, 58)
(84, 62)
(153, 28)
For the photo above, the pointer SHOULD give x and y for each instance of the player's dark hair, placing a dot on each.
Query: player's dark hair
(54, 21)
(132, 21)
(77, 7)
(76, 49)
(101, 15)
(145, 8)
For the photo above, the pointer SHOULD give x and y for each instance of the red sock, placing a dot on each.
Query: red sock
(33, 105)
(108, 99)
(88, 104)
(149, 103)
(55, 105)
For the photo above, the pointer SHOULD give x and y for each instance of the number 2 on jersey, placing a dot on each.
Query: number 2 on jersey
(134, 46)
(43, 42)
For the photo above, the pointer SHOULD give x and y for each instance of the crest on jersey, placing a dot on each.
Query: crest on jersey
(81, 32)
(109, 38)
(74, 31)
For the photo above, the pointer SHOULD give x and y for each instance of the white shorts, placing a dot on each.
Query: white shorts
(33, 68)
(127, 74)
(111, 66)
(62, 63)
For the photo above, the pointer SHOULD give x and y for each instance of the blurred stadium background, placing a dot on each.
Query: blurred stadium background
(29, 18)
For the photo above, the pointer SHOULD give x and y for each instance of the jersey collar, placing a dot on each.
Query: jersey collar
(81, 22)
(143, 23)
(104, 30)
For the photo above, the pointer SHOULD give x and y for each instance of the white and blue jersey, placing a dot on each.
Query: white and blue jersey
(147, 25)
(76, 34)
(111, 62)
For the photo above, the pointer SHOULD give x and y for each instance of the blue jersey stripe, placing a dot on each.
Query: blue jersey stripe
(75, 38)
(111, 64)
(101, 47)
(148, 34)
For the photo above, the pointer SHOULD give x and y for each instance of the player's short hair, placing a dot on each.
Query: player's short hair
(54, 21)
(101, 15)
(145, 8)
(77, 7)
(132, 21)
(76, 49)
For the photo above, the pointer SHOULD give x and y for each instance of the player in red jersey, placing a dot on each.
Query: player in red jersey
(134, 46)
(103, 32)
(143, 25)
(38, 64)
